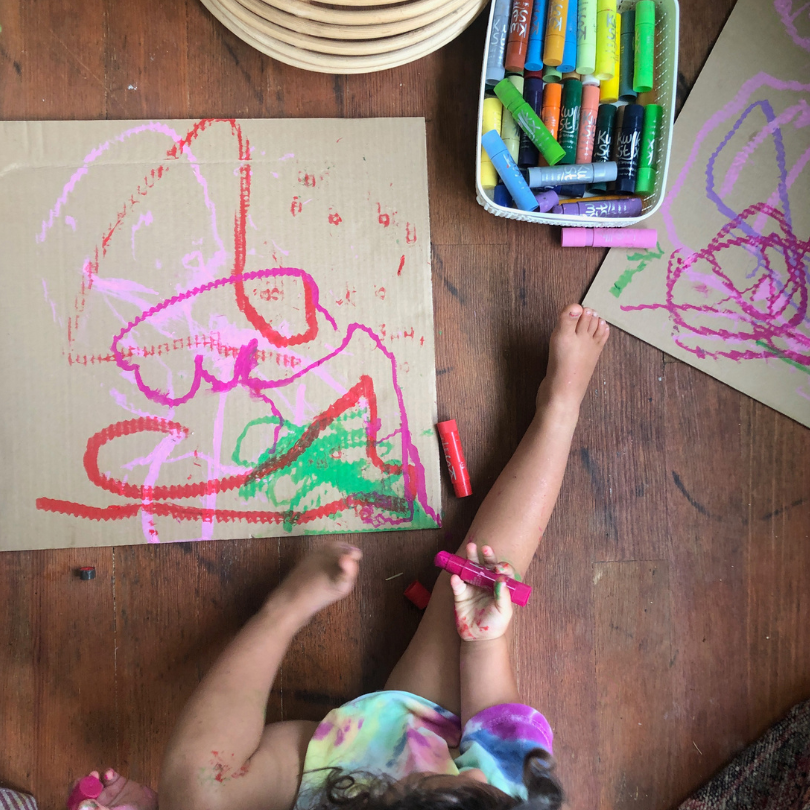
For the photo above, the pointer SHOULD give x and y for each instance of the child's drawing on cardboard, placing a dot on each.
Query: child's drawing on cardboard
(727, 288)
(223, 329)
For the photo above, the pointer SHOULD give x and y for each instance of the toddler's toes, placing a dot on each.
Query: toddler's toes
(584, 322)
(569, 317)
(602, 331)
(594, 323)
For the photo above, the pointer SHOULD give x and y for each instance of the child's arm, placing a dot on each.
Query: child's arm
(486, 674)
(221, 733)
(487, 677)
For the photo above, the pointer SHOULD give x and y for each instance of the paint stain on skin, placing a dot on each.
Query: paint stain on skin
(222, 769)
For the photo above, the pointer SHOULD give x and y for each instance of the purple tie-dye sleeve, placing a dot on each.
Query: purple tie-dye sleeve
(497, 741)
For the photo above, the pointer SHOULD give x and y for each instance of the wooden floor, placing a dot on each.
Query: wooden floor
(672, 591)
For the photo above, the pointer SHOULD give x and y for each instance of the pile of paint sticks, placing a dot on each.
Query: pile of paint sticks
(560, 118)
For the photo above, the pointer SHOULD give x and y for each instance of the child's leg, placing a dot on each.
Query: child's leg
(517, 509)
(221, 753)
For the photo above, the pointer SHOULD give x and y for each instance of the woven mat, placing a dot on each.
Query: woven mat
(771, 774)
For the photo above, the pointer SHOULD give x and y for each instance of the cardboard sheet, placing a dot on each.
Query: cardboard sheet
(727, 288)
(215, 329)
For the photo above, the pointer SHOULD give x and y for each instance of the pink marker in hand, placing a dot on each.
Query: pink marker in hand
(482, 577)
(89, 787)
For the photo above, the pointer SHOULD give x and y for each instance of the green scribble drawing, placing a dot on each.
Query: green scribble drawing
(776, 353)
(336, 464)
(643, 260)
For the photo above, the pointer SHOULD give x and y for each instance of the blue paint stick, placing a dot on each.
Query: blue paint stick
(508, 171)
(502, 197)
(537, 34)
(497, 43)
(569, 62)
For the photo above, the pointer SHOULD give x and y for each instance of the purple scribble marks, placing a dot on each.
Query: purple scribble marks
(786, 12)
(763, 320)
(752, 278)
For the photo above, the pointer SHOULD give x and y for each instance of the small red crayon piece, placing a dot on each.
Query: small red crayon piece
(454, 455)
(89, 787)
(483, 577)
(417, 593)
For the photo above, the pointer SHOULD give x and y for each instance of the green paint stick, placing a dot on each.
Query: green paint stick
(551, 75)
(626, 57)
(644, 46)
(569, 119)
(650, 135)
(510, 131)
(586, 37)
(527, 118)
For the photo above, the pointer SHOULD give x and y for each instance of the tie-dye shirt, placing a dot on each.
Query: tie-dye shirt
(398, 733)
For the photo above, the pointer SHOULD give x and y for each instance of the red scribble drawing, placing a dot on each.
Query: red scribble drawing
(262, 332)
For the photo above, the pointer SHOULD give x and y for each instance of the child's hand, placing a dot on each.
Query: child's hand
(481, 615)
(120, 792)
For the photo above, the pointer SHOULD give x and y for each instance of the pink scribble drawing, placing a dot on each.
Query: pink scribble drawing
(229, 329)
(752, 278)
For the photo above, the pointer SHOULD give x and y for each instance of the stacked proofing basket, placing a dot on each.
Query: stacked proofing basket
(346, 36)
(667, 25)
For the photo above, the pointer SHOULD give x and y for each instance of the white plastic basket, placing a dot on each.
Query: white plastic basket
(667, 24)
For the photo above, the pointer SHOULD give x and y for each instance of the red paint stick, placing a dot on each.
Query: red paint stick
(417, 593)
(89, 787)
(483, 577)
(454, 455)
(518, 40)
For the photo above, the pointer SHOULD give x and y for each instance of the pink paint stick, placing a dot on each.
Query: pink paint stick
(482, 577)
(89, 787)
(645, 238)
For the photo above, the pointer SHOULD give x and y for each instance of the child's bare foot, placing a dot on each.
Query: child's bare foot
(121, 793)
(321, 578)
(575, 346)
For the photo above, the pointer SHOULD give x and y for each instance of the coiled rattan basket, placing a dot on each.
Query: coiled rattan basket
(346, 36)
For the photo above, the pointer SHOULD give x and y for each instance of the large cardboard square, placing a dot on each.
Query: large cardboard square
(726, 290)
(215, 329)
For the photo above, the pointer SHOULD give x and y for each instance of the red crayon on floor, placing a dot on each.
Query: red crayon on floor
(483, 577)
(89, 787)
(454, 455)
(417, 593)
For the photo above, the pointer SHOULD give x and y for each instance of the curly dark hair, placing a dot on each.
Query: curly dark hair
(363, 790)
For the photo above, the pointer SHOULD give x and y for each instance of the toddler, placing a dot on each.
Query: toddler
(448, 730)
